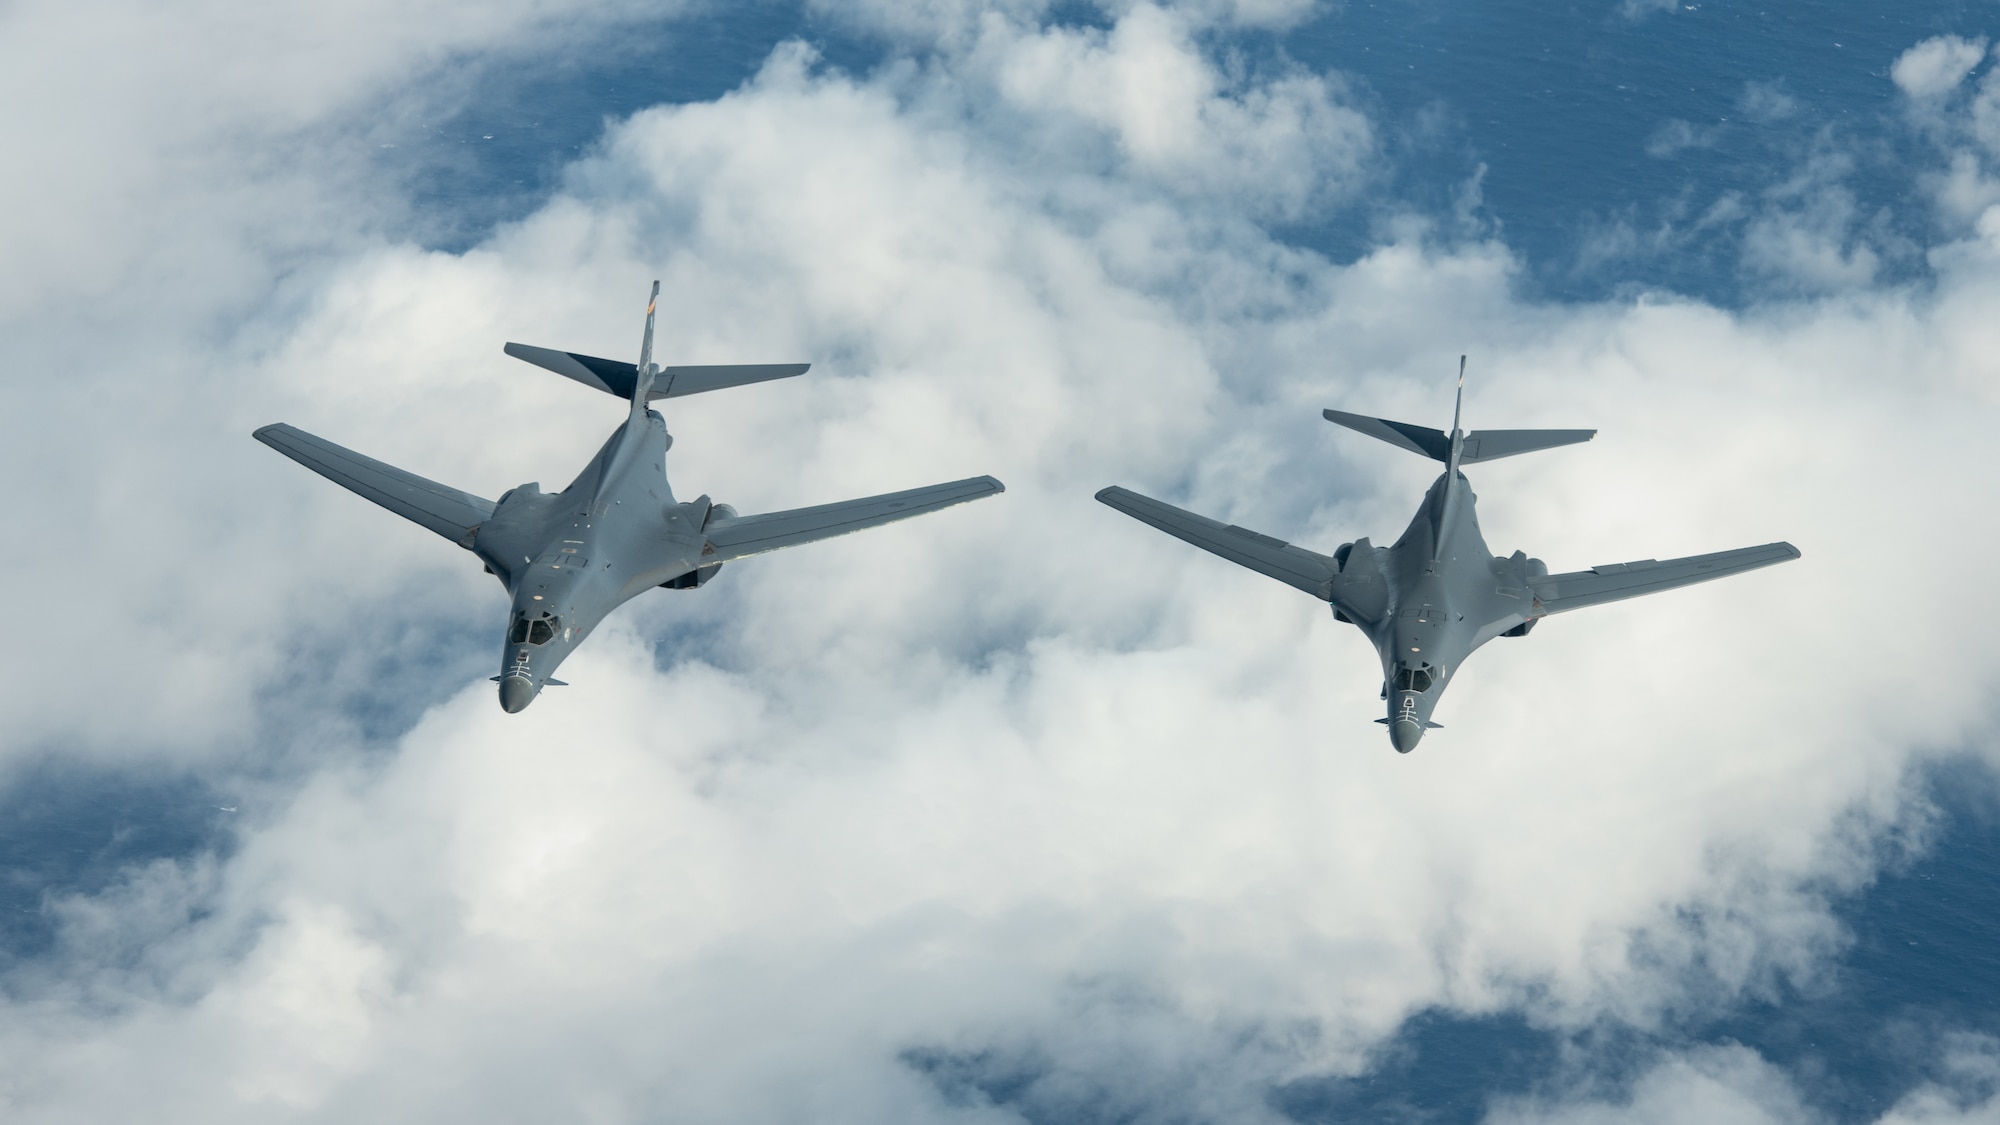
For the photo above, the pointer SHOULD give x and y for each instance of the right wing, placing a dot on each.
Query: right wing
(742, 536)
(445, 510)
(1316, 574)
(1559, 593)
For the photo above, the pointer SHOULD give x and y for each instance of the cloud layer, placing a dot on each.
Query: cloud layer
(1021, 810)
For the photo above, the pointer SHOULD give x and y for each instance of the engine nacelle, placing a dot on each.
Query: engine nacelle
(719, 512)
(692, 578)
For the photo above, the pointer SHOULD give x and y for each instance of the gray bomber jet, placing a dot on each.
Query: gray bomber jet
(1429, 601)
(570, 558)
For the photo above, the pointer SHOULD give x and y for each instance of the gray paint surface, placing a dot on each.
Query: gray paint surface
(568, 559)
(1427, 602)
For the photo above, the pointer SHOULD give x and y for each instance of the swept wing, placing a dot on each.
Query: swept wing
(1314, 573)
(441, 508)
(753, 535)
(1559, 593)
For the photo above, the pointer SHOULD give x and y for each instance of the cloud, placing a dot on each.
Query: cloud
(1766, 102)
(1936, 66)
(1283, 145)
(1677, 135)
(1725, 1085)
(1020, 807)
(1966, 1091)
(1639, 9)
(1734, 1084)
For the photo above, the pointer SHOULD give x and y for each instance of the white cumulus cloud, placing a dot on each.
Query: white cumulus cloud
(1018, 809)
(1937, 65)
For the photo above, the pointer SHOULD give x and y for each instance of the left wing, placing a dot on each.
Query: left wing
(1559, 593)
(439, 507)
(742, 536)
(1361, 598)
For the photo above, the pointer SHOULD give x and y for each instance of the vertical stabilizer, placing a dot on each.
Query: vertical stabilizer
(627, 439)
(1451, 468)
(643, 386)
(1459, 405)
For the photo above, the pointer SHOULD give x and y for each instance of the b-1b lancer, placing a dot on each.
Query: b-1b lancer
(570, 558)
(1429, 601)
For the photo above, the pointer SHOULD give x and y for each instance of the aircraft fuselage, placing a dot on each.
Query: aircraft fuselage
(569, 559)
(1445, 595)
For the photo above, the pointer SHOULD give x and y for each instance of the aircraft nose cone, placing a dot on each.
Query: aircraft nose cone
(516, 693)
(1405, 734)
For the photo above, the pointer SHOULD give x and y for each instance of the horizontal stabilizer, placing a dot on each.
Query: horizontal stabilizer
(1491, 445)
(616, 378)
(441, 508)
(1559, 593)
(1417, 439)
(1480, 445)
(741, 536)
(1297, 567)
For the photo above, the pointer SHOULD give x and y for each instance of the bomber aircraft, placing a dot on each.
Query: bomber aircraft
(1429, 601)
(569, 558)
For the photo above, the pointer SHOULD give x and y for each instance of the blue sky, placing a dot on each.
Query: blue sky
(1019, 812)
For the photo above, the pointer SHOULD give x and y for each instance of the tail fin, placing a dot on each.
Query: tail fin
(643, 385)
(1457, 435)
(1445, 522)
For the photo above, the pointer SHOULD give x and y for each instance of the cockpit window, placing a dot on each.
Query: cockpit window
(536, 632)
(1413, 679)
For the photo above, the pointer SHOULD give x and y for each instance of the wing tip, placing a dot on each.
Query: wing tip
(1110, 492)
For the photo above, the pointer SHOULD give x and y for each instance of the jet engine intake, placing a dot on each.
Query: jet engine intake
(692, 578)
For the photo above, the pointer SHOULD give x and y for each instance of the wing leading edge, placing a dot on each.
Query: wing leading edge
(441, 508)
(743, 536)
(1297, 567)
(1559, 593)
